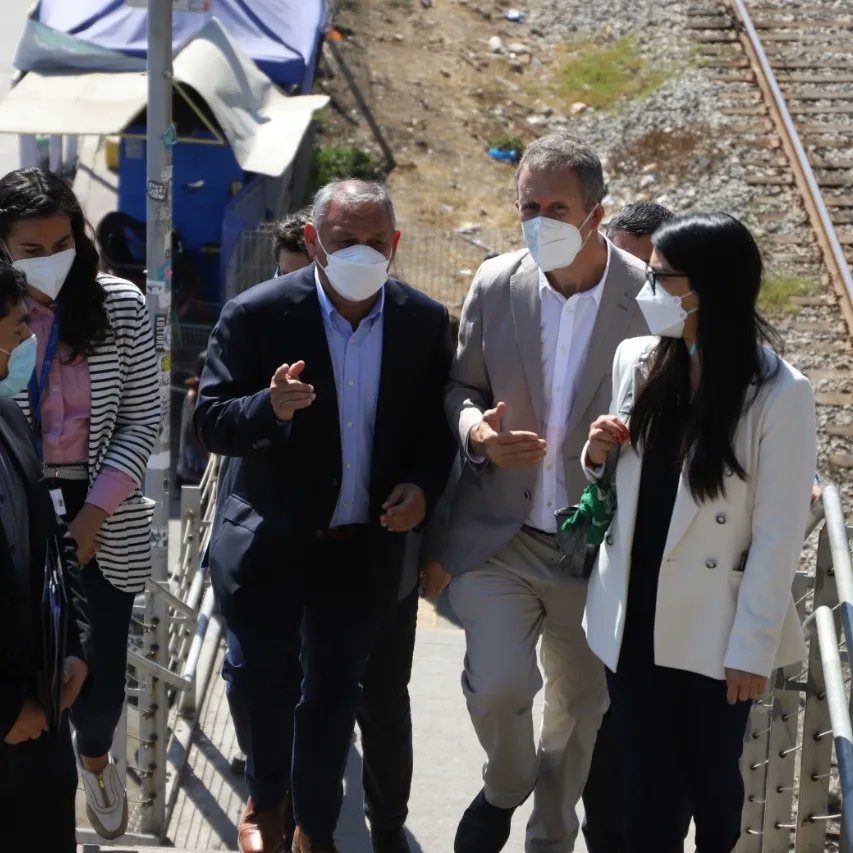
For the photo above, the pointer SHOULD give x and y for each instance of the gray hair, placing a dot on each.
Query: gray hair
(559, 151)
(350, 193)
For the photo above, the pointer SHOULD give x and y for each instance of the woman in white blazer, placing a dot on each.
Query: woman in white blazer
(689, 605)
(94, 404)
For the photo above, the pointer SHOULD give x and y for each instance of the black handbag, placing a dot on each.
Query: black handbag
(54, 633)
(581, 528)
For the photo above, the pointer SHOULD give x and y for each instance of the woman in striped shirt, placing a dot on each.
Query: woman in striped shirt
(94, 406)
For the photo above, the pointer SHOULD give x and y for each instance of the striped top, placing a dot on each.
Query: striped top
(123, 428)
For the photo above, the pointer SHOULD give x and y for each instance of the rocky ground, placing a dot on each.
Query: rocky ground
(448, 77)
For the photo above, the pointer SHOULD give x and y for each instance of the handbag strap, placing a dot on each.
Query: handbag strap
(609, 471)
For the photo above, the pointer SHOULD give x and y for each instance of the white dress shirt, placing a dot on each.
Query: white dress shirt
(566, 330)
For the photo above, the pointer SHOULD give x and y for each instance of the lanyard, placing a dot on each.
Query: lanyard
(37, 386)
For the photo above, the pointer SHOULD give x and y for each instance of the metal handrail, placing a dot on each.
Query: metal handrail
(839, 710)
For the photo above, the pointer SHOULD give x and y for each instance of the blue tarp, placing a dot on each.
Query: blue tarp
(281, 36)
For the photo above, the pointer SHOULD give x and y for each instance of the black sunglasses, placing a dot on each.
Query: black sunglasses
(653, 276)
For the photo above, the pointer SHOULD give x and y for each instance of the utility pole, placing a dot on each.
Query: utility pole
(151, 758)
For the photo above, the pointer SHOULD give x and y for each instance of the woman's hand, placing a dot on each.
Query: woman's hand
(84, 529)
(606, 432)
(433, 579)
(744, 686)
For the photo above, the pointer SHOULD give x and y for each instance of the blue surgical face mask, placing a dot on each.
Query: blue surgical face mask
(22, 363)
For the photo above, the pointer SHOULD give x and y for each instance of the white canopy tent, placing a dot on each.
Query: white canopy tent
(263, 126)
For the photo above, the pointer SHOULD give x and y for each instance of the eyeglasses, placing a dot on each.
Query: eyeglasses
(653, 277)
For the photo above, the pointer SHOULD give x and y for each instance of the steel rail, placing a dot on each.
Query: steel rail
(821, 222)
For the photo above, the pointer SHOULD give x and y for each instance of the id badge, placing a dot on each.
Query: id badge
(58, 502)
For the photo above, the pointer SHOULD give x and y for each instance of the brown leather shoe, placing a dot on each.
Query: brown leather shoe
(261, 831)
(303, 844)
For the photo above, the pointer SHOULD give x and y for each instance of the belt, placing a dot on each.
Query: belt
(535, 531)
(65, 472)
(345, 533)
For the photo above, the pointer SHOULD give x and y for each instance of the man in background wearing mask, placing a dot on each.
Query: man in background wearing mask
(325, 388)
(38, 777)
(537, 337)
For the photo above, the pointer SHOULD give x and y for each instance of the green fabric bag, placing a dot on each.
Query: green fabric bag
(581, 528)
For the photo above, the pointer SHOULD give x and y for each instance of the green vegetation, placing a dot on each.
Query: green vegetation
(602, 75)
(776, 290)
(507, 143)
(333, 162)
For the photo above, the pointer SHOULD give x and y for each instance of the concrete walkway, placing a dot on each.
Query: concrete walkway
(448, 761)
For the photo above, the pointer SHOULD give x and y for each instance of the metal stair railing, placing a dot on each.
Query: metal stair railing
(798, 796)
(172, 648)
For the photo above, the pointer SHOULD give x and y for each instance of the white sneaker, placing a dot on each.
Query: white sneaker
(106, 801)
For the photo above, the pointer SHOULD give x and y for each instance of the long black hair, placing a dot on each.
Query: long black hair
(723, 264)
(36, 194)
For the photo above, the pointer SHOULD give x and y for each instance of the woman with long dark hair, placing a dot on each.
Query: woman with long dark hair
(93, 403)
(690, 605)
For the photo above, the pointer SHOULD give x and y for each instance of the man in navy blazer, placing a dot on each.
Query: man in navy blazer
(324, 387)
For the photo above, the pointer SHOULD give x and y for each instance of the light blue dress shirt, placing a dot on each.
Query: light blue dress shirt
(356, 362)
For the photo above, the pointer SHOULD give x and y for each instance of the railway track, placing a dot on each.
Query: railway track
(786, 72)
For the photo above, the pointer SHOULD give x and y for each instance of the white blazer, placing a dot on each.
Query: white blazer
(710, 616)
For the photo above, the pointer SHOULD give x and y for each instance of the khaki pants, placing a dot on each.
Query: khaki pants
(505, 606)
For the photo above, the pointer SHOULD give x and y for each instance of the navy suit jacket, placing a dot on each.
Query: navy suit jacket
(281, 483)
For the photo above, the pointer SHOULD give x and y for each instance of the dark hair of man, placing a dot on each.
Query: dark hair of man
(37, 194)
(289, 233)
(558, 152)
(640, 219)
(12, 288)
(723, 264)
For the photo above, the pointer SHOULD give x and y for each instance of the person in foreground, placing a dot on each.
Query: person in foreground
(94, 409)
(690, 605)
(37, 776)
(324, 387)
(537, 336)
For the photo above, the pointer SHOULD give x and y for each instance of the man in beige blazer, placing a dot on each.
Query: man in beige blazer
(537, 336)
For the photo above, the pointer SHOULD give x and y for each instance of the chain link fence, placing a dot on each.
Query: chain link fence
(440, 262)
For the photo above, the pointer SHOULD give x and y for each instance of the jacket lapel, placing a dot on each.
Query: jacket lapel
(306, 341)
(615, 311)
(395, 336)
(683, 513)
(527, 318)
(22, 453)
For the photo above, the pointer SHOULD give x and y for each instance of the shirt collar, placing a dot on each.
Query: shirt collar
(329, 310)
(37, 309)
(595, 292)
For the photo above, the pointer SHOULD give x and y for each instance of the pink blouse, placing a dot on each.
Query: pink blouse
(65, 413)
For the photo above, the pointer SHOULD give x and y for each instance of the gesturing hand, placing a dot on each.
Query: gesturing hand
(30, 724)
(505, 449)
(405, 508)
(288, 393)
(74, 674)
(744, 686)
(606, 432)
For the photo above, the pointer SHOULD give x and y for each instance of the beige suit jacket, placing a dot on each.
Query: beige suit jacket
(499, 358)
(709, 614)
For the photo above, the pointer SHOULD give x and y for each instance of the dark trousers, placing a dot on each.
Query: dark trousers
(38, 782)
(678, 733)
(604, 795)
(98, 708)
(385, 720)
(314, 619)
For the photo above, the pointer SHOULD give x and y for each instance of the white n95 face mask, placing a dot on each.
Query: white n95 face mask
(356, 272)
(662, 311)
(553, 244)
(47, 274)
